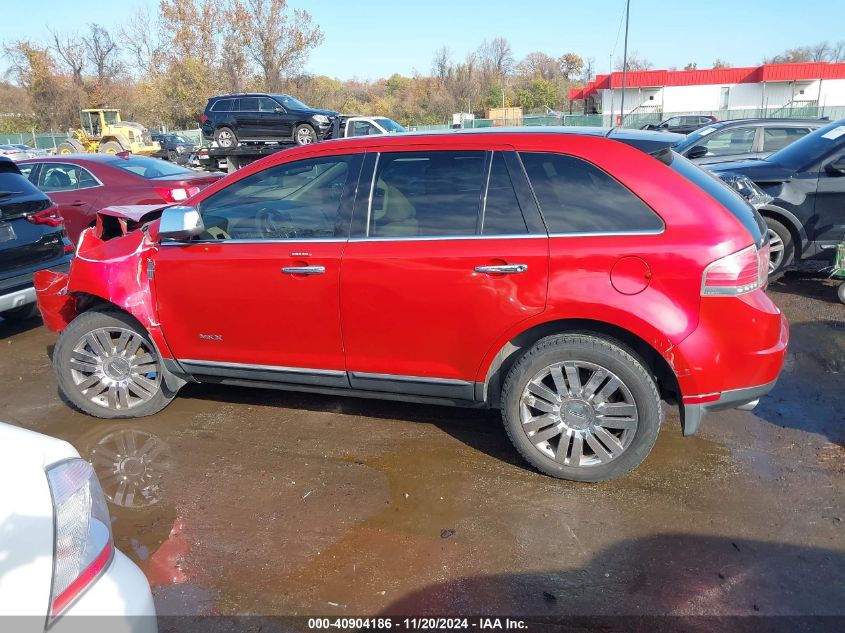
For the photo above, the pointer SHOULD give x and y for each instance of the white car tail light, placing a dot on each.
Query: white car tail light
(83, 539)
(737, 274)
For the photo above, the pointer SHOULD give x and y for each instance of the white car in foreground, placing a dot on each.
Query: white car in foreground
(58, 563)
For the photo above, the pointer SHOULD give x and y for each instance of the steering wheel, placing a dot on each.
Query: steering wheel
(275, 223)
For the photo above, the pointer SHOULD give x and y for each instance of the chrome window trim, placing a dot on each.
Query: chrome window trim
(405, 378)
(608, 233)
(61, 162)
(370, 197)
(278, 368)
(430, 238)
(334, 240)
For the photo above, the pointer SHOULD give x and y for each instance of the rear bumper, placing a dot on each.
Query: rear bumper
(119, 601)
(18, 291)
(745, 398)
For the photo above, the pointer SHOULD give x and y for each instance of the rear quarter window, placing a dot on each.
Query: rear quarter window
(577, 197)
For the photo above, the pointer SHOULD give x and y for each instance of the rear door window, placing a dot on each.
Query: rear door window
(577, 197)
(248, 104)
(426, 194)
(775, 138)
(738, 140)
(224, 105)
(502, 213)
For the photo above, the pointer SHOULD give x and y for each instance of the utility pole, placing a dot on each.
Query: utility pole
(624, 63)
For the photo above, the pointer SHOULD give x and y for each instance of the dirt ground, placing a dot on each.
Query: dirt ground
(242, 501)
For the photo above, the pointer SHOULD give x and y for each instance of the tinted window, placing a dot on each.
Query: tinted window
(578, 197)
(64, 177)
(426, 194)
(775, 138)
(363, 128)
(294, 200)
(223, 105)
(722, 193)
(738, 140)
(502, 215)
(14, 182)
(26, 169)
(812, 147)
(248, 104)
(265, 104)
(149, 168)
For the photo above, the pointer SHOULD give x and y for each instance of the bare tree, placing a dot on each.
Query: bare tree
(277, 41)
(441, 66)
(496, 57)
(635, 63)
(71, 50)
(691, 66)
(721, 63)
(538, 64)
(102, 52)
(141, 42)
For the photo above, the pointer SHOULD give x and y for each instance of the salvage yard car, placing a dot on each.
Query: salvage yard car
(572, 279)
(83, 184)
(260, 117)
(742, 139)
(805, 187)
(32, 238)
(58, 562)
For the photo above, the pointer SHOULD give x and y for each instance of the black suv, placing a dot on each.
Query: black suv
(803, 194)
(32, 238)
(230, 119)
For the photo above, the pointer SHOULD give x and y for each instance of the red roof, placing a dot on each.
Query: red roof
(755, 74)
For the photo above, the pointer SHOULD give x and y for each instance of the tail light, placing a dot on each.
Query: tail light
(83, 539)
(49, 216)
(203, 119)
(177, 194)
(737, 274)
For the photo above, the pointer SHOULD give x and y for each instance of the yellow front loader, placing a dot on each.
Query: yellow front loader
(102, 131)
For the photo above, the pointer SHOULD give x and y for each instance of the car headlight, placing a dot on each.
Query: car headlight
(320, 118)
(746, 187)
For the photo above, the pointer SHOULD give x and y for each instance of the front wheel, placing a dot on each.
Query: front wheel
(107, 366)
(781, 248)
(304, 134)
(581, 407)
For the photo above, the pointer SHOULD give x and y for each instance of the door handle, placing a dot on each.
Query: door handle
(78, 203)
(304, 270)
(503, 269)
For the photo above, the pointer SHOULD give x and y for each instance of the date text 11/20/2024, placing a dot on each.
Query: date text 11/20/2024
(417, 624)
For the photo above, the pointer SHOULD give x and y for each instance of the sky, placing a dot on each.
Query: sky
(370, 39)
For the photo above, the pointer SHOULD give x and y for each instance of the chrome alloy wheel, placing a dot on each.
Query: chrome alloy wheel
(115, 368)
(776, 249)
(225, 138)
(578, 413)
(304, 135)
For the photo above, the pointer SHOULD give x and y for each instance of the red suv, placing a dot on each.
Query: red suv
(572, 279)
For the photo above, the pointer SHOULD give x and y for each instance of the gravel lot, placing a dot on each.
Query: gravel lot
(263, 502)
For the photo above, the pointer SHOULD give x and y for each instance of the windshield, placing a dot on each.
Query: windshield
(691, 140)
(390, 125)
(149, 168)
(291, 103)
(811, 148)
(175, 138)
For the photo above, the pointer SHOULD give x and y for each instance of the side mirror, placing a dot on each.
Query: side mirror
(279, 110)
(837, 165)
(698, 151)
(180, 223)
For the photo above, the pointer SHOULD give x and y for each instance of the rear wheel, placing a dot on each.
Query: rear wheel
(107, 366)
(225, 137)
(304, 134)
(581, 407)
(68, 148)
(781, 247)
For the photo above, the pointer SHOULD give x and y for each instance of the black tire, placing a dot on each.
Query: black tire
(172, 156)
(226, 137)
(24, 313)
(68, 148)
(110, 147)
(779, 234)
(596, 351)
(304, 134)
(74, 335)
